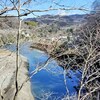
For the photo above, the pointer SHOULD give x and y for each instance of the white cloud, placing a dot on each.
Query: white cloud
(61, 12)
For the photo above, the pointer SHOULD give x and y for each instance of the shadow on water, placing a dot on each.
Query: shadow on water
(47, 84)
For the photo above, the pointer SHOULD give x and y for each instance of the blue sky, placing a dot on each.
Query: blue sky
(45, 4)
(68, 3)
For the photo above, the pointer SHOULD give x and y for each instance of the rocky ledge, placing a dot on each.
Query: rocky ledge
(7, 77)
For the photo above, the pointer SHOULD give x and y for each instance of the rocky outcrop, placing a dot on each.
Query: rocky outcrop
(7, 77)
(43, 47)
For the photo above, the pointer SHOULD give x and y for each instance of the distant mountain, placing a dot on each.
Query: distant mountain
(96, 6)
(59, 20)
(10, 23)
(7, 23)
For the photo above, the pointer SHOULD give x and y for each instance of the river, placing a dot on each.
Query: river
(48, 83)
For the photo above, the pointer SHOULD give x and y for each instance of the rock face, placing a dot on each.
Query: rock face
(7, 77)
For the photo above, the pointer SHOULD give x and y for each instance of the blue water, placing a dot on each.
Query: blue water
(50, 80)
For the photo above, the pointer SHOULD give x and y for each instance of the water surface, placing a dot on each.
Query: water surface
(48, 83)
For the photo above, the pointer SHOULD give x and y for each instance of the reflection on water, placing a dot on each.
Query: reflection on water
(48, 83)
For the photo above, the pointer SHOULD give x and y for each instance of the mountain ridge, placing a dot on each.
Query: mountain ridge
(60, 20)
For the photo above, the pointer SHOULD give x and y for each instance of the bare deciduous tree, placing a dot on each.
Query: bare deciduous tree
(87, 59)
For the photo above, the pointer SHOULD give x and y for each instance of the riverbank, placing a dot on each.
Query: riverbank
(7, 77)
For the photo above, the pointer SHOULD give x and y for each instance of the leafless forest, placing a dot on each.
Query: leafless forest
(74, 43)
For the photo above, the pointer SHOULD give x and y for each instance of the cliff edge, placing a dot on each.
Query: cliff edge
(7, 77)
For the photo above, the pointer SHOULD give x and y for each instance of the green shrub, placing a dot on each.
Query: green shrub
(6, 39)
(70, 30)
(31, 23)
(10, 38)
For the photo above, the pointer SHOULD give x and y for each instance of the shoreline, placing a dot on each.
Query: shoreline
(7, 77)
